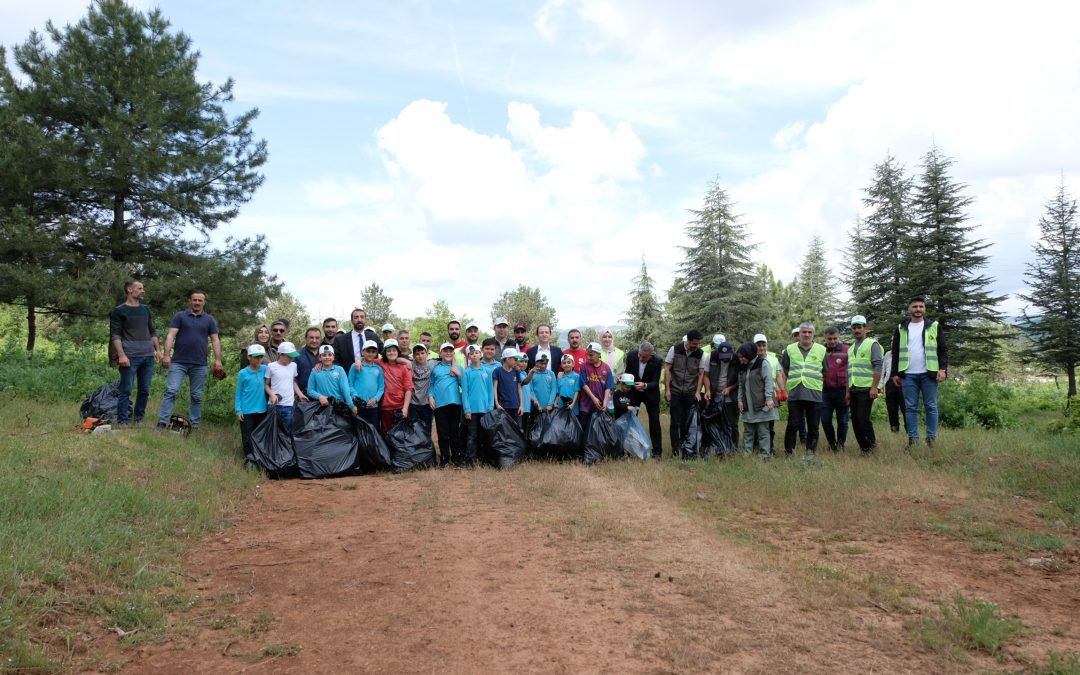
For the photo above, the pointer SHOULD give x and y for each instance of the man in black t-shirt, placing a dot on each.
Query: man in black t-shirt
(135, 344)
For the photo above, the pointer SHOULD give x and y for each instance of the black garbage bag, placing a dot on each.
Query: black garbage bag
(372, 453)
(601, 439)
(691, 442)
(536, 433)
(716, 433)
(410, 445)
(632, 439)
(272, 447)
(562, 435)
(504, 437)
(325, 444)
(102, 402)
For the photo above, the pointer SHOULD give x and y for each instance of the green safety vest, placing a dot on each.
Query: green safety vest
(774, 362)
(805, 371)
(860, 367)
(929, 346)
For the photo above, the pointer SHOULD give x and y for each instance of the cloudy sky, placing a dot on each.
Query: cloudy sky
(456, 149)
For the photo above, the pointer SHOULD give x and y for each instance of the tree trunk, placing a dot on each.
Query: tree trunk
(1071, 370)
(31, 328)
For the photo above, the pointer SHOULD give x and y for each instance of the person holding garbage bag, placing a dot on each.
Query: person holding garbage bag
(756, 399)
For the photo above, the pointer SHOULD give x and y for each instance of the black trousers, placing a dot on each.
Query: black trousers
(680, 407)
(802, 413)
(448, 431)
(422, 412)
(655, 434)
(474, 440)
(894, 403)
(861, 407)
(247, 426)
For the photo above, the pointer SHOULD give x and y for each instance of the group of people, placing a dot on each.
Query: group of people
(381, 376)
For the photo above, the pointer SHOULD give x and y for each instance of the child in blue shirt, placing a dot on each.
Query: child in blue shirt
(251, 395)
(507, 385)
(329, 380)
(367, 383)
(569, 384)
(445, 398)
(477, 399)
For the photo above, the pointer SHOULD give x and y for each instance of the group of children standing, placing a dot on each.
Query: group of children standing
(451, 391)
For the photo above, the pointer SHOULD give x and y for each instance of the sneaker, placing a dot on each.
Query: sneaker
(930, 442)
(160, 427)
(912, 441)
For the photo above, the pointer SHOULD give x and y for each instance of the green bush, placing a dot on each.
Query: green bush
(978, 402)
(1070, 423)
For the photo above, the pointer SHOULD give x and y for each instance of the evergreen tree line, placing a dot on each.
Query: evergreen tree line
(115, 161)
(914, 238)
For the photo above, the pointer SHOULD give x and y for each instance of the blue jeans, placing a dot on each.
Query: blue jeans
(926, 384)
(834, 400)
(196, 381)
(141, 371)
(285, 411)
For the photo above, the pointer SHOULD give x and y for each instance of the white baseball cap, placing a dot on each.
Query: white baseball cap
(471, 324)
(369, 344)
(718, 338)
(760, 337)
(858, 320)
(256, 350)
(472, 349)
(500, 321)
(388, 328)
(510, 353)
(390, 343)
(446, 345)
(288, 349)
(626, 378)
(326, 349)
(594, 347)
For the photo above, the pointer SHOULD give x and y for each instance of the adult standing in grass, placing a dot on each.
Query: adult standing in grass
(834, 397)
(135, 343)
(189, 332)
(864, 376)
(645, 366)
(894, 398)
(919, 360)
(804, 365)
(682, 366)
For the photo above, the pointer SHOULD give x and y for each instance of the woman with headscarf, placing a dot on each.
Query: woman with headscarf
(757, 399)
(262, 337)
(612, 355)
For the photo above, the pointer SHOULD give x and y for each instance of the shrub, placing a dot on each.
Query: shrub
(975, 403)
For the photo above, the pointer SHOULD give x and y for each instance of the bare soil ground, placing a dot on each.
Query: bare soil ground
(562, 569)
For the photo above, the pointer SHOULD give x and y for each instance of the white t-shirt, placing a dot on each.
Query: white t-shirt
(916, 352)
(281, 381)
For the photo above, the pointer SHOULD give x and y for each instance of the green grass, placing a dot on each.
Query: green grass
(95, 526)
(970, 624)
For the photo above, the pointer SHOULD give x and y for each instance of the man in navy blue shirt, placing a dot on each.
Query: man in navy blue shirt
(185, 356)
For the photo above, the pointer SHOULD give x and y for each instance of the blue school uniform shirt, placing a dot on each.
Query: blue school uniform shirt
(526, 393)
(367, 383)
(569, 384)
(477, 392)
(251, 391)
(544, 387)
(331, 383)
(445, 388)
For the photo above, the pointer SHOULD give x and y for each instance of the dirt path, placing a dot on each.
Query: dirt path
(547, 569)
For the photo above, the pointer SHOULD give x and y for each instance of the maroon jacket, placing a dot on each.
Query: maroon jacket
(836, 367)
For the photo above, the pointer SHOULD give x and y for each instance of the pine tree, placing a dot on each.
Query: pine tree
(525, 304)
(782, 308)
(377, 304)
(879, 269)
(944, 264)
(816, 300)
(717, 271)
(645, 316)
(134, 156)
(1054, 280)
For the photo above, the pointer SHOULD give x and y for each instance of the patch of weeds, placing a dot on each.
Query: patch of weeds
(831, 537)
(828, 573)
(851, 550)
(1060, 664)
(262, 622)
(111, 667)
(223, 622)
(329, 514)
(887, 590)
(349, 486)
(972, 624)
(284, 649)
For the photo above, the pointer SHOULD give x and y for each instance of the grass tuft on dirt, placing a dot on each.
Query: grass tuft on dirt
(95, 527)
(968, 623)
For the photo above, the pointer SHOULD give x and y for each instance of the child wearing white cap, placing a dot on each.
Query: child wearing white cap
(250, 400)
(281, 386)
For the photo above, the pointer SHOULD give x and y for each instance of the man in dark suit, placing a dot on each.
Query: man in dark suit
(349, 345)
(645, 366)
(543, 340)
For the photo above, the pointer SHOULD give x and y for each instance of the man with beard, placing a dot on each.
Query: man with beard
(681, 376)
(521, 342)
(472, 337)
(349, 346)
(135, 343)
(330, 330)
(453, 332)
(502, 334)
(919, 359)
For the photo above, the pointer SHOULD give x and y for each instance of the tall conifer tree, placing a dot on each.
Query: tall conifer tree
(645, 316)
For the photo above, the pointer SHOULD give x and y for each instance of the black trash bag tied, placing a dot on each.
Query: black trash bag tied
(562, 433)
(325, 444)
(272, 447)
(716, 436)
(410, 445)
(691, 443)
(601, 438)
(504, 437)
(102, 402)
